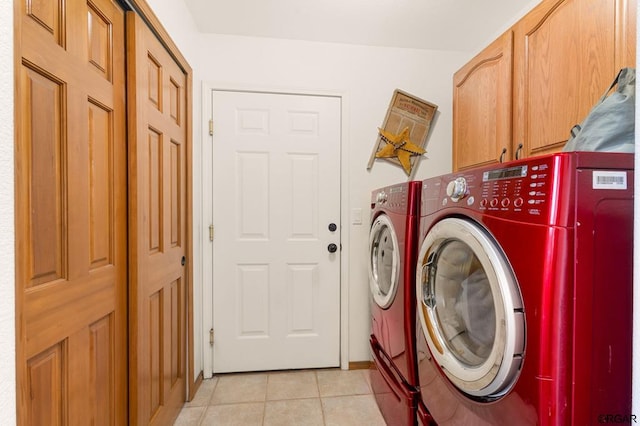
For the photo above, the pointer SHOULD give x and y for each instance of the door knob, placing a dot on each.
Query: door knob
(332, 248)
(183, 260)
(332, 227)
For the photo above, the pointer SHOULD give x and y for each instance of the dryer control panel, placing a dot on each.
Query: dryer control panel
(397, 198)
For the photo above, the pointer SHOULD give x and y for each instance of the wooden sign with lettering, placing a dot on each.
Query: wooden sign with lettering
(402, 137)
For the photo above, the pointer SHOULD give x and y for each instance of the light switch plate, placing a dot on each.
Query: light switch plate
(356, 216)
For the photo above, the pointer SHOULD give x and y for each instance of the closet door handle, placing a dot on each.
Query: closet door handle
(504, 151)
(518, 151)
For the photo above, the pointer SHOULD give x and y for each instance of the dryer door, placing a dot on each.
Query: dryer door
(384, 261)
(470, 308)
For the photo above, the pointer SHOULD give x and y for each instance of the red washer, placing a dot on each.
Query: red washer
(392, 260)
(525, 307)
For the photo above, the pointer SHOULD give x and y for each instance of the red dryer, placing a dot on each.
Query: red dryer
(392, 259)
(524, 292)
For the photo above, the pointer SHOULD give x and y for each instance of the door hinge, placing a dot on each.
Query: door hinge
(211, 337)
(211, 127)
(210, 232)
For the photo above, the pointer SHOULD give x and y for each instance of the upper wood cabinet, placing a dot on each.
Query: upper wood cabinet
(482, 98)
(565, 54)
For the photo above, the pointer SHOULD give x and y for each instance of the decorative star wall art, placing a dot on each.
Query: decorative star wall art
(403, 136)
(399, 146)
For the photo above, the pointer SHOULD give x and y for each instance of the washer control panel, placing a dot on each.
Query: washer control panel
(517, 189)
(542, 189)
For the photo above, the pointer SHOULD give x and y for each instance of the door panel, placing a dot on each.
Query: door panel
(482, 93)
(158, 188)
(71, 262)
(565, 55)
(276, 189)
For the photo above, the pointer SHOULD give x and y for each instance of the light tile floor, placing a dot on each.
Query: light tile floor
(305, 397)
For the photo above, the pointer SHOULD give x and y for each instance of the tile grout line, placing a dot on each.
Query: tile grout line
(322, 413)
(264, 405)
(209, 400)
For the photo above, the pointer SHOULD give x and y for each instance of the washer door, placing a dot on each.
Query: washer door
(384, 261)
(470, 308)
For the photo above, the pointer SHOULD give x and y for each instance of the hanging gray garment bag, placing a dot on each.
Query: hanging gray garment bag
(610, 125)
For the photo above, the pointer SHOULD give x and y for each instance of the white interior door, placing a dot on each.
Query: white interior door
(276, 192)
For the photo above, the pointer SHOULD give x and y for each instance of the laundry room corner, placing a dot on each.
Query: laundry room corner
(365, 78)
(196, 223)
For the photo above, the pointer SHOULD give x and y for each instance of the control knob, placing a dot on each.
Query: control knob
(457, 189)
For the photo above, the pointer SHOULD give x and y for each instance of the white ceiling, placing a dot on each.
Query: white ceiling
(462, 25)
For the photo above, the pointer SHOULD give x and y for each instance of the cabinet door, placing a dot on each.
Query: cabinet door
(482, 95)
(566, 53)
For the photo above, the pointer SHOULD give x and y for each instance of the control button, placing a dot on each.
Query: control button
(494, 202)
(457, 189)
(484, 202)
(518, 202)
(382, 197)
(505, 202)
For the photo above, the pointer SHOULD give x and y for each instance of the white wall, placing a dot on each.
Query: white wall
(366, 78)
(7, 260)
(177, 20)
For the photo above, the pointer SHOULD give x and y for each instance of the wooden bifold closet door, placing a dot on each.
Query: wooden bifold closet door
(71, 213)
(158, 136)
(102, 217)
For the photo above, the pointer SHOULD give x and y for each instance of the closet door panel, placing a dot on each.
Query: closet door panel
(71, 241)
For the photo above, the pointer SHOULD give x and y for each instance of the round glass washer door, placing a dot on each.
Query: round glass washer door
(470, 308)
(384, 261)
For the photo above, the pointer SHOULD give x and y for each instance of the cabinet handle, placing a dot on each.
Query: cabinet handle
(504, 151)
(518, 151)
